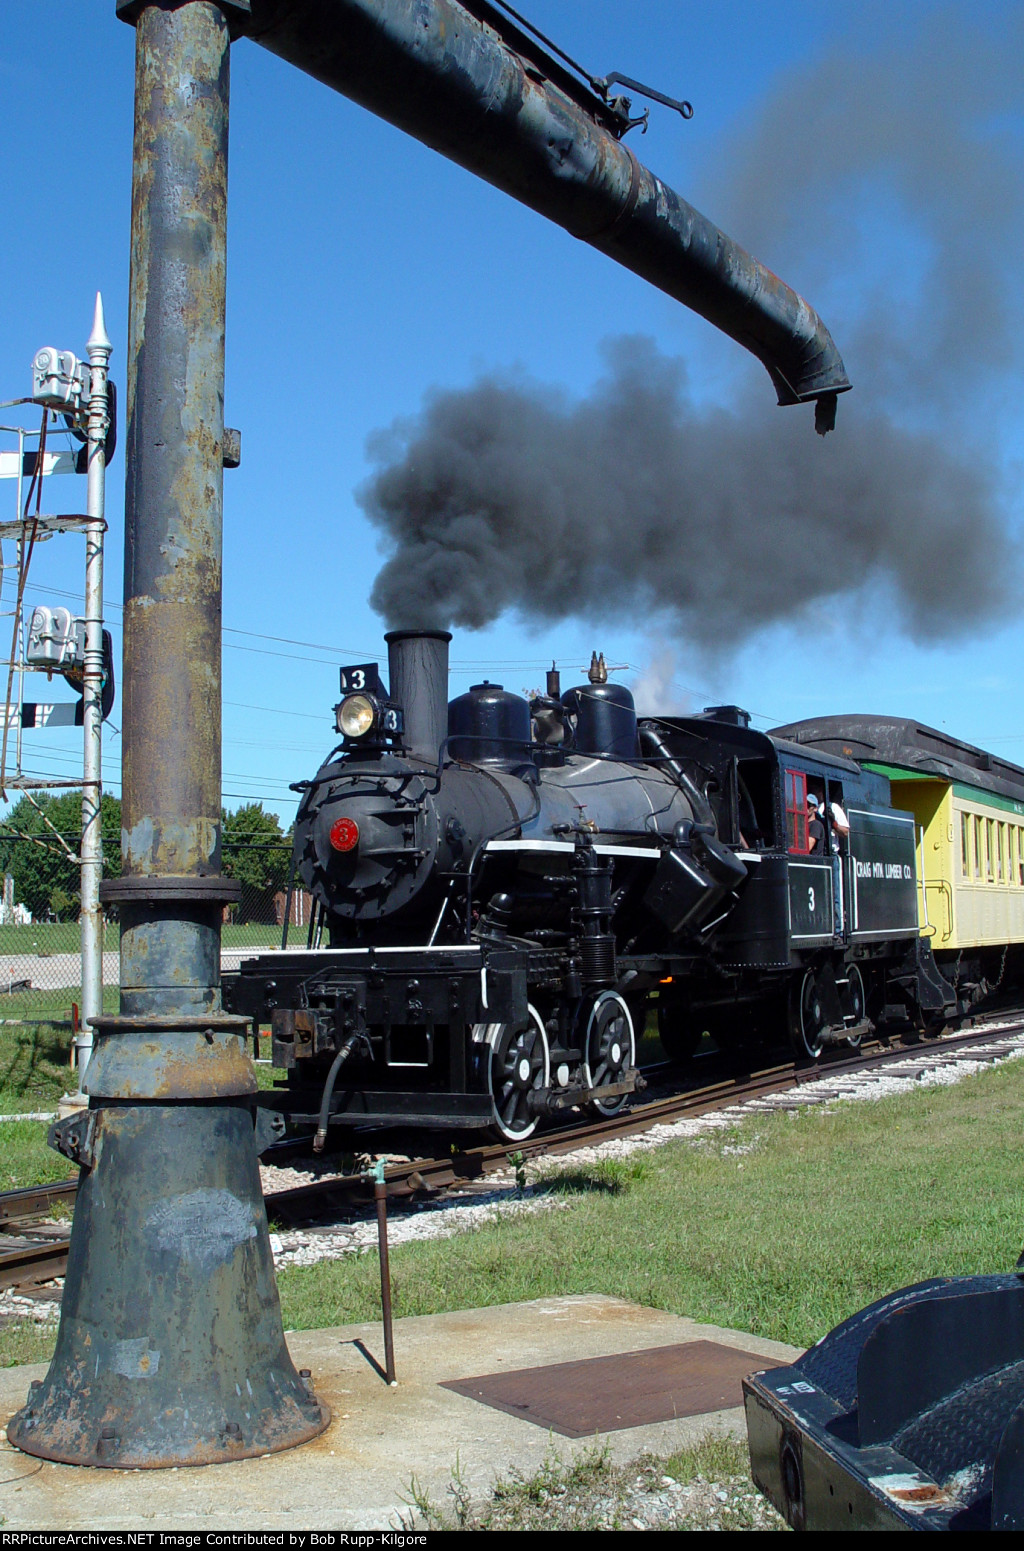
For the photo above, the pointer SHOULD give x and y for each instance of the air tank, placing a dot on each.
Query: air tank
(489, 726)
(605, 719)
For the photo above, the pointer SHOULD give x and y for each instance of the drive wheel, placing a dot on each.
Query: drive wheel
(856, 999)
(611, 1050)
(520, 1065)
(807, 1018)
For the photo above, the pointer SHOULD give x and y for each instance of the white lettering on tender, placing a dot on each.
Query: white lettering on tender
(886, 871)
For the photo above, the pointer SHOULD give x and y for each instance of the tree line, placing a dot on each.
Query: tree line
(42, 829)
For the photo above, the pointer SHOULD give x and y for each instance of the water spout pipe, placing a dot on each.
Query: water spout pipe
(450, 79)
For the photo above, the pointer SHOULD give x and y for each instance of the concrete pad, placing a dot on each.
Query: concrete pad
(358, 1474)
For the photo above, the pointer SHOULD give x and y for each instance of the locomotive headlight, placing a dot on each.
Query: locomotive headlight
(357, 715)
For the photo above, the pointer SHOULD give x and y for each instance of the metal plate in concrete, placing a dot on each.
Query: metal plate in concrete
(630, 1389)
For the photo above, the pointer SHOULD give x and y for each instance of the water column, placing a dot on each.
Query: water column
(171, 1348)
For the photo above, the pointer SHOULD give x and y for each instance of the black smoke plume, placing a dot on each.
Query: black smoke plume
(636, 501)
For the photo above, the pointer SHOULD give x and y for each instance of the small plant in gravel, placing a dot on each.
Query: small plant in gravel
(518, 1162)
(458, 1516)
(702, 1487)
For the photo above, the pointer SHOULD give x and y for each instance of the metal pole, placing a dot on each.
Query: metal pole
(99, 348)
(380, 1196)
(171, 1347)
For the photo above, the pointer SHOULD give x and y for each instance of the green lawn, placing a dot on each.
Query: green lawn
(34, 1069)
(43, 937)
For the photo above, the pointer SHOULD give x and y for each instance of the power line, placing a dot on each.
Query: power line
(241, 705)
(369, 654)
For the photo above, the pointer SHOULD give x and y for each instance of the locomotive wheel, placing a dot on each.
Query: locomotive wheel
(520, 1064)
(856, 1001)
(807, 1019)
(611, 1050)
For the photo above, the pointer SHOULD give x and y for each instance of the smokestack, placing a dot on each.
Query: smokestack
(507, 111)
(418, 681)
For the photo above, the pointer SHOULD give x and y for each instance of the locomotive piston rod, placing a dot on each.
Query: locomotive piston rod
(447, 77)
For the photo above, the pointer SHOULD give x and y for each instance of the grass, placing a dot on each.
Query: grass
(782, 1226)
(26, 1342)
(34, 1068)
(26, 1159)
(34, 1075)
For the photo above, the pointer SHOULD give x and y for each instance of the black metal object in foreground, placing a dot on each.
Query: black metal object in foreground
(909, 1415)
(171, 1349)
(507, 112)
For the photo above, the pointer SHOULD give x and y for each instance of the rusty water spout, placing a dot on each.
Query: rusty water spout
(453, 80)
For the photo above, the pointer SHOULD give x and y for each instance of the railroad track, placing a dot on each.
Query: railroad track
(32, 1248)
(36, 1251)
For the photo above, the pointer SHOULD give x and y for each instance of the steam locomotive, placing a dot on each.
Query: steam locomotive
(499, 885)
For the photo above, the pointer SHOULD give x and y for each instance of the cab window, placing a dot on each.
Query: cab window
(796, 812)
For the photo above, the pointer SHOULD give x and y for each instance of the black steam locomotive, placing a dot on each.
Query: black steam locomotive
(499, 885)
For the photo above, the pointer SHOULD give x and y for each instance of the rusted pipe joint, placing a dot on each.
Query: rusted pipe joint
(178, 1058)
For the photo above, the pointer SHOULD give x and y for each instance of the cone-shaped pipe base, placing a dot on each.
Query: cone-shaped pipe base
(171, 1349)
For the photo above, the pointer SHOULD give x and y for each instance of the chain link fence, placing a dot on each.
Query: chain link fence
(40, 937)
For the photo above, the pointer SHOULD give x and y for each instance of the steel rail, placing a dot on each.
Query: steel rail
(34, 1200)
(29, 1264)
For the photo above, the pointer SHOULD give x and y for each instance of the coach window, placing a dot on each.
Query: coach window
(796, 812)
(965, 846)
(977, 846)
(990, 845)
(1011, 853)
(1000, 849)
(1020, 855)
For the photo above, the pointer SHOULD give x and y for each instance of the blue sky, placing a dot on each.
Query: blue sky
(365, 270)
